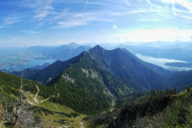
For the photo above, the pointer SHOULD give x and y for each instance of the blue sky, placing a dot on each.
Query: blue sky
(56, 22)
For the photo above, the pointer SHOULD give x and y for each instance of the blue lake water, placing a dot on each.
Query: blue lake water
(161, 61)
(29, 63)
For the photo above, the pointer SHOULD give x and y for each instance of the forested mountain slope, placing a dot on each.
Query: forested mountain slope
(127, 66)
(181, 80)
(123, 64)
(47, 74)
(160, 109)
(119, 70)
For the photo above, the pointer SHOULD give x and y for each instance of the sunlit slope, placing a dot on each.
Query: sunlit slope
(39, 98)
(69, 94)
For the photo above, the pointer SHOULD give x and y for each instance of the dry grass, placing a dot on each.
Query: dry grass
(56, 119)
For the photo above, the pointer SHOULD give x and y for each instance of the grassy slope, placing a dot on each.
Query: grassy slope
(54, 114)
(51, 114)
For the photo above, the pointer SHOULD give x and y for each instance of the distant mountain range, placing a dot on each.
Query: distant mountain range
(179, 64)
(187, 46)
(177, 51)
(62, 53)
(171, 53)
(41, 66)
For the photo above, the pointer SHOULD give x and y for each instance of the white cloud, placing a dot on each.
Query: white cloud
(86, 3)
(32, 32)
(149, 2)
(70, 24)
(185, 3)
(15, 39)
(186, 26)
(9, 21)
(163, 34)
(40, 24)
(62, 14)
(127, 2)
(114, 26)
(136, 11)
(41, 8)
(71, 39)
(67, 19)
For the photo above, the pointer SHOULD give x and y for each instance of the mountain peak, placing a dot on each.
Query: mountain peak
(98, 47)
(72, 43)
(117, 49)
(70, 46)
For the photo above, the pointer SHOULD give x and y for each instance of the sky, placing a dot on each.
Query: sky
(57, 22)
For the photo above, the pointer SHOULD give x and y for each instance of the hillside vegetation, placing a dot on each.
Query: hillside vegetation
(39, 102)
(121, 64)
(101, 82)
(160, 109)
(118, 70)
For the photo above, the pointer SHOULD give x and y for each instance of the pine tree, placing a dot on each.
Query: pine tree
(153, 92)
(158, 92)
(175, 91)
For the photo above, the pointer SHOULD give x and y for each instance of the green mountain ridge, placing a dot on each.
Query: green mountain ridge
(96, 78)
(45, 75)
(127, 66)
(118, 64)
(91, 83)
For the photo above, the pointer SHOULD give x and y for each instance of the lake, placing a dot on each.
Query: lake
(161, 61)
(29, 63)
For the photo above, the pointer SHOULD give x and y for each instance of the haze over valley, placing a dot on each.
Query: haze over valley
(43, 56)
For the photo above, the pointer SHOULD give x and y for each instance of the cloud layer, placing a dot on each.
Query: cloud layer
(97, 21)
